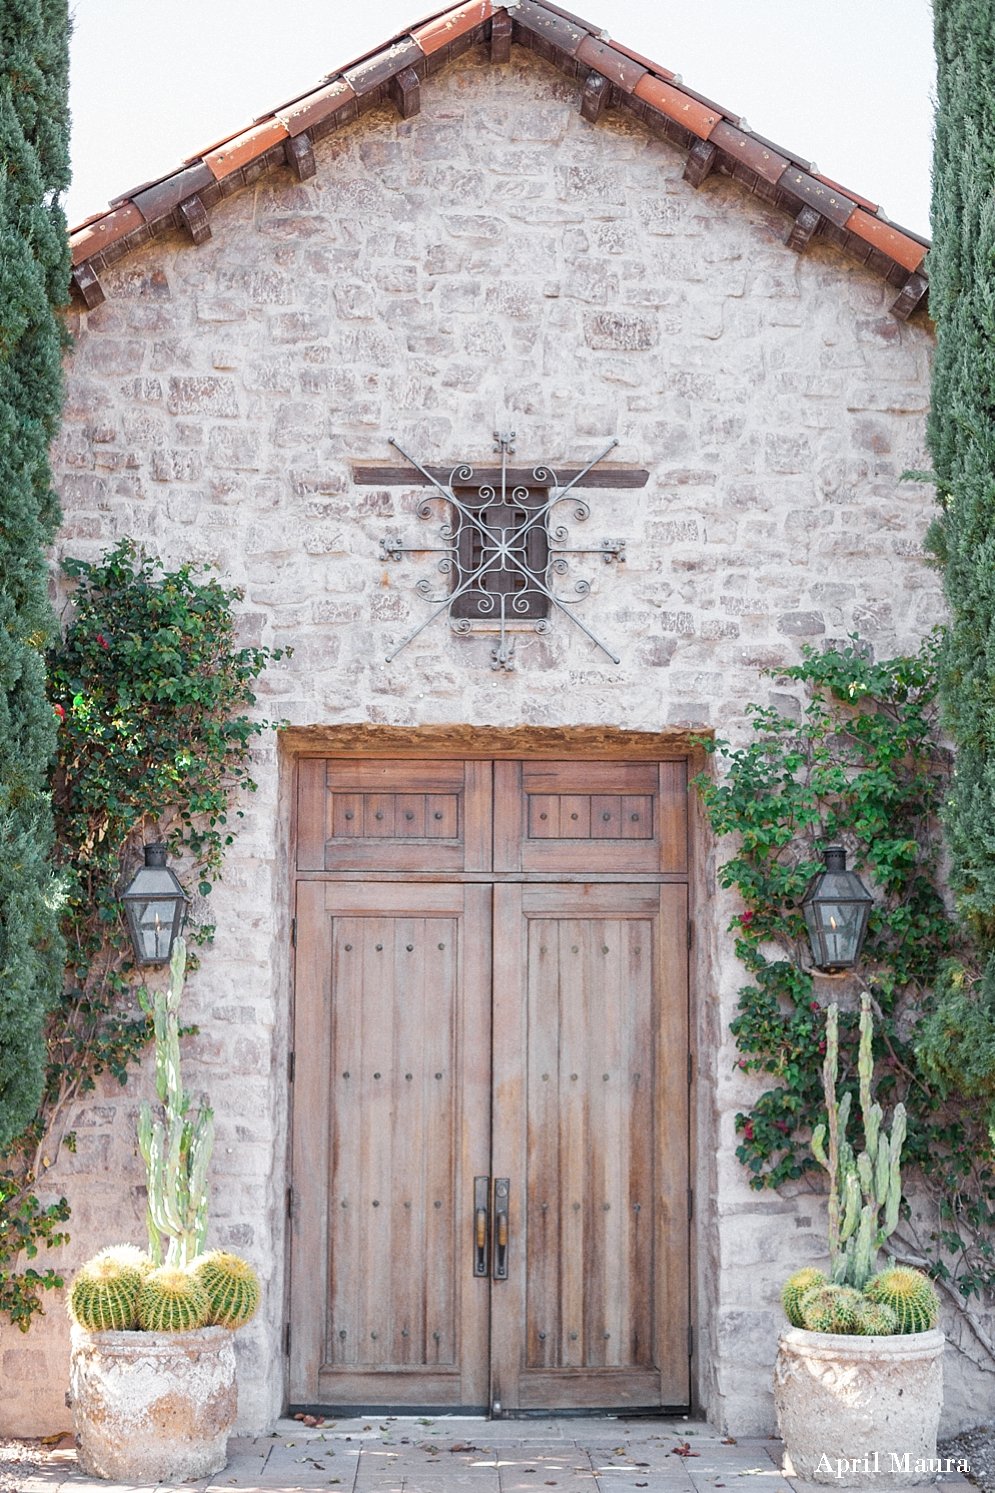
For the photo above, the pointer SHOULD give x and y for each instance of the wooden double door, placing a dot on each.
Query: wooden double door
(490, 1200)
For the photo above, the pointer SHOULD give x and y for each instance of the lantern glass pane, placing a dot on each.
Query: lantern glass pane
(155, 928)
(836, 928)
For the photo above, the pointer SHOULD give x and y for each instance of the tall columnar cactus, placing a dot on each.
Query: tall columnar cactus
(176, 1152)
(859, 1186)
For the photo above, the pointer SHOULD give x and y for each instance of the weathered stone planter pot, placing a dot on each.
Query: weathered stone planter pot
(860, 1412)
(151, 1407)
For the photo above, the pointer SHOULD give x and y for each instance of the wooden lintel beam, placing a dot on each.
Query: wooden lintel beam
(701, 159)
(911, 295)
(609, 474)
(802, 229)
(194, 215)
(501, 37)
(405, 90)
(594, 99)
(300, 156)
(89, 287)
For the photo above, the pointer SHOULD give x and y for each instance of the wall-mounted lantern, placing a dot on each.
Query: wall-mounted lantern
(156, 906)
(837, 906)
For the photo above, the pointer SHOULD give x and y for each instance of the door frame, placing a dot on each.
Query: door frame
(494, 743)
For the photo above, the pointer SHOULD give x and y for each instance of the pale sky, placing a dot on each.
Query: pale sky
(847, 84)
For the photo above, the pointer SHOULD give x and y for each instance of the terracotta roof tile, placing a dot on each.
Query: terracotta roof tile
(236, 152)
(98, 234)
(445, 28)
(161, 198)
(553, 26)
(750, 151)
(889, 240)
(653, 67)
(582, 51)
(676, 105)
(383, 65)
(314, 107)
(808, 189)
(614, 66)
(568, 15)
(201, 155)
(827, 181)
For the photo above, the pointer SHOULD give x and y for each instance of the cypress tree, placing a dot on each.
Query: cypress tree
(34, 279)
(962, 437)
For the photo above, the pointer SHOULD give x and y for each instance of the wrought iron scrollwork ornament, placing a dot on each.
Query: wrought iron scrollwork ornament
(500, 551)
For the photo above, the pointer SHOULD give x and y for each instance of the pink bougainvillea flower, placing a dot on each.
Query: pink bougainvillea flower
(60, 711)
(103, 641)
(748, 1132)
(746, 919)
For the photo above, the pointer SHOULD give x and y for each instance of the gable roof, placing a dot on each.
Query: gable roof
(716, 139)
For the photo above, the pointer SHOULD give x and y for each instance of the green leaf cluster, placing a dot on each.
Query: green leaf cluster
(150, 689)
(34, 279)
(863, 766)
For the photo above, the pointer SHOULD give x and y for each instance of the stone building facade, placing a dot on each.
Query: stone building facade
(509, 255)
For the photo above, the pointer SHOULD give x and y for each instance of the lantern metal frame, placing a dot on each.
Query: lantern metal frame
(154, 887)
(837, 907)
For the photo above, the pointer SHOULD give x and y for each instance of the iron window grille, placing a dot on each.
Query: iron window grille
(500, 552)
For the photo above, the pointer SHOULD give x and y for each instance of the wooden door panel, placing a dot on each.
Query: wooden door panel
(591, 817)
(591, 1127)
(362, 815)
(391, 1125)
(419, 1020)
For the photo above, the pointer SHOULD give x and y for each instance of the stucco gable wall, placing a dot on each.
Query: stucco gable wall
(495, 261)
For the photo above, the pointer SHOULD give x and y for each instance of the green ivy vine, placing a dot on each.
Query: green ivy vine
(863, 766)
(150, 691)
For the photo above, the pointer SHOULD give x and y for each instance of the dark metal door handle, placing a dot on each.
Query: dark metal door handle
(481, 1223)
(502, 1187)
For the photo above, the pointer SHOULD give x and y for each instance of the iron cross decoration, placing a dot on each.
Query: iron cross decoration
(499, 551)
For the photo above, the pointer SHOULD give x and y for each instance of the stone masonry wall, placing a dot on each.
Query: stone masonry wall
(495, 261)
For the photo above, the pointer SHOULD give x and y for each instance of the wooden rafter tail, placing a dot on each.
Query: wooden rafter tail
(300, 156)
(595, 97)
(194, 215)
(501, 37)
(914, 292)
(85, 281)
(405, 91)
(699, 164)
(802, 229)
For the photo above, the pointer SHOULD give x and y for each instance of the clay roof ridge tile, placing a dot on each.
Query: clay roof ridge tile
(94, 218)
(656, 68)
(568, 15)
(199, 155)
(709, 103)
(406, 35)
(781, 150)
(917, 238)
(128, 196)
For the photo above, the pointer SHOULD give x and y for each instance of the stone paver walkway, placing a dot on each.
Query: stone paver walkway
(450, 1454)
(463, 1455)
